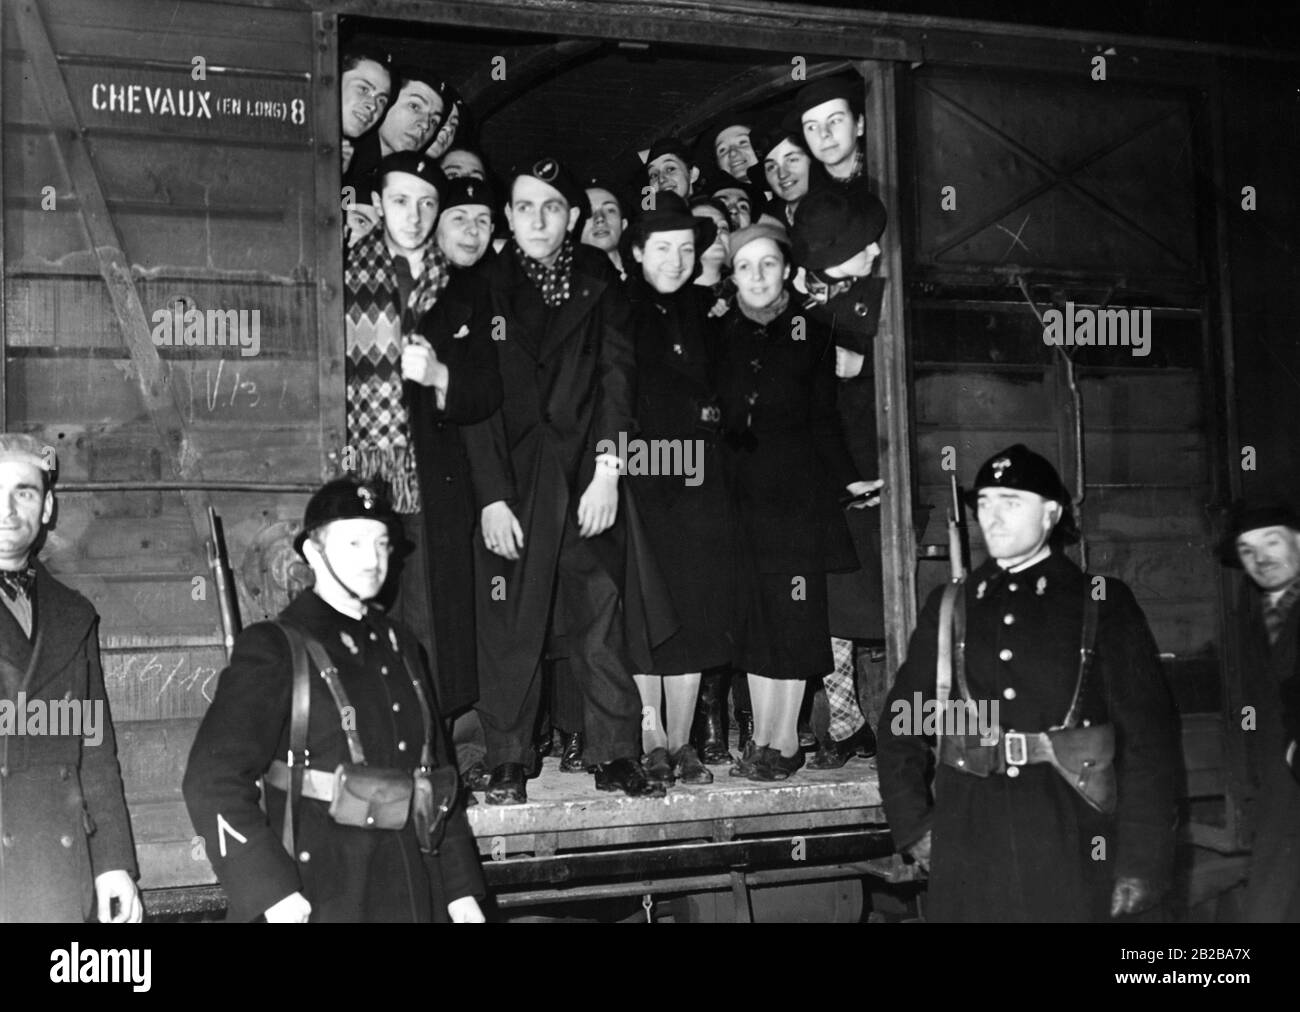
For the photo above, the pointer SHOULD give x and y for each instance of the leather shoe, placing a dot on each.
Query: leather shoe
(831, 754)
(571, 756)
(627, 776)
(772, 765)
(688, 768)
(709, 729)
(807, 736)
(744, 729)
(657, 768)
(476, 777)
(745, 764)
(507, 785)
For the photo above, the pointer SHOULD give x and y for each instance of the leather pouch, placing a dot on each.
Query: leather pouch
(435, 794)
(370, 797)
(1085, 757)
(965, 754)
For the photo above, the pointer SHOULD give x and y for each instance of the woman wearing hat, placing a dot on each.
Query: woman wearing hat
(786, 167)
(776, 381)
(687, 517)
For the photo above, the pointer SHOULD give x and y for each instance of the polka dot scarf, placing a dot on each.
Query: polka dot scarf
(553, 282)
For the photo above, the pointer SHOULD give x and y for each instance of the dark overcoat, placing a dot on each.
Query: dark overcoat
(459, 328)
(568, 377)
(1270, 674)
(63, 817)
(776, 384)
(691, 528)
(857, 598)
(346, 873)
(1029, 848)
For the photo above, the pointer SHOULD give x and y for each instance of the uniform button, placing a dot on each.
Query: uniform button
(1005, 654)
(383, 670)
(1008, 693)
(401, 746)
(65, 840)
(961, 762)
(860, 309)
(1008, 619)
(1013, 771)
(397, 707)
(448, 478)
(304, 856)
(374, 638)
(1013, 587)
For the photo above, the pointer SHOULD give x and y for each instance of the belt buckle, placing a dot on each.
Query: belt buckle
(710, 414)
(1015, 748)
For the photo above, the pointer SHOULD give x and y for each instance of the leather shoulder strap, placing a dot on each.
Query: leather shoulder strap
(1087, 651)
(943, 666)
(299, 715)
(330, 673)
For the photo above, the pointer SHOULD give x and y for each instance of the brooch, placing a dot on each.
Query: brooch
(349, 642)
(678, 349)
(1040, 586)
(979, 591)
(392, 638)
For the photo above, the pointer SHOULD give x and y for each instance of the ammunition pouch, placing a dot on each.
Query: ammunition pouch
(371, 797)
(435, 794)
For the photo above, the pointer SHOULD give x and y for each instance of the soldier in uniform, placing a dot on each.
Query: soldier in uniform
(1264, 540)
(1007, 837)
(65, 841)
(335, 872)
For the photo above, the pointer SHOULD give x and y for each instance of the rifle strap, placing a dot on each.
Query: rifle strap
(1087, 651)
(299, 714)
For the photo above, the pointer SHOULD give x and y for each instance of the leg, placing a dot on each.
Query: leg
(680, 692)
(787, 697)
(651, 689)
(841, 692)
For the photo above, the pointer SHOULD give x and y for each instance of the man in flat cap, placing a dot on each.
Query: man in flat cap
(1264, 540)
(557, 550)
(347, 715)
(420, 362)
(1058, 744)
(65, 839)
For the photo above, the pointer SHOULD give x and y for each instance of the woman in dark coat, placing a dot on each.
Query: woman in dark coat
(685, 510)
(777, 388)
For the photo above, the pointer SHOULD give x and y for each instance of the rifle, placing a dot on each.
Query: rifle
(957, 551)
(219, 563)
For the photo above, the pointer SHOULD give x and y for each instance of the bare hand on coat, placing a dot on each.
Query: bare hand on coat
(870, 489)
(465, 911)
(117, 885)
(420, 364)
(293, 909)
(1131, 896)
(848, 364)
(502, 532)
(598, 507)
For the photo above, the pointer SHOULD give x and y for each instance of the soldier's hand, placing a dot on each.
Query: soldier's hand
(598, 506)
(1131, 895)
(420, 364)
(920, 852)
(117, 885)
(865, 488)
(465, 911)
(848, 364)
(501, 530)
(293, 909)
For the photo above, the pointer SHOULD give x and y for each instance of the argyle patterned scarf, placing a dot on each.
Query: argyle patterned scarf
(377, 324)
(553, 282)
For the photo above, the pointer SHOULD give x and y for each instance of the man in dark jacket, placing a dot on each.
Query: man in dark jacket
(335, 871)
(1012, 840)
(1264, 540)
(554, 538)
(65, 841)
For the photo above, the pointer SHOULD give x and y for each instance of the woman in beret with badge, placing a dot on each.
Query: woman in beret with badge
(776, 382)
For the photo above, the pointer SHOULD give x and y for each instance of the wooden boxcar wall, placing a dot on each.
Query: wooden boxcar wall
(160, 164)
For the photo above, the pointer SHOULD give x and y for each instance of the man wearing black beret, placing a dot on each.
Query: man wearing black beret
(1055, 800)
(1264, 540)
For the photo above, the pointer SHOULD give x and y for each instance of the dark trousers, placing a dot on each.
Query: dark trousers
(588, 599)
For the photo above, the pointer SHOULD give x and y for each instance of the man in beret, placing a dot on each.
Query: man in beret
(557, 550)
(668, 166)
(464, 231)
(65, 850)
(407, 381)
(1008, 837)
(314, 867)
(606, 222)
(827, 114)
(1264, 539)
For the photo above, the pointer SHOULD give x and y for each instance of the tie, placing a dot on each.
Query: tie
(1274, 617)
(16, 581)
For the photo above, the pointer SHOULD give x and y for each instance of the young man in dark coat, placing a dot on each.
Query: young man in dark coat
(1264, 540)
(65, 840)
(337, 872)
(1007, 837)
(555, 524)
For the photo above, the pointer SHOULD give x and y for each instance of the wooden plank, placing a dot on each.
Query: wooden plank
(157, 684)
(4, 294)
(154, 385)
(893, 411)
(153, 754)
(329, 255)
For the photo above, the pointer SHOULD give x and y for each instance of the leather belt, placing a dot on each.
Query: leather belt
(316, 784)
(1012, 750)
